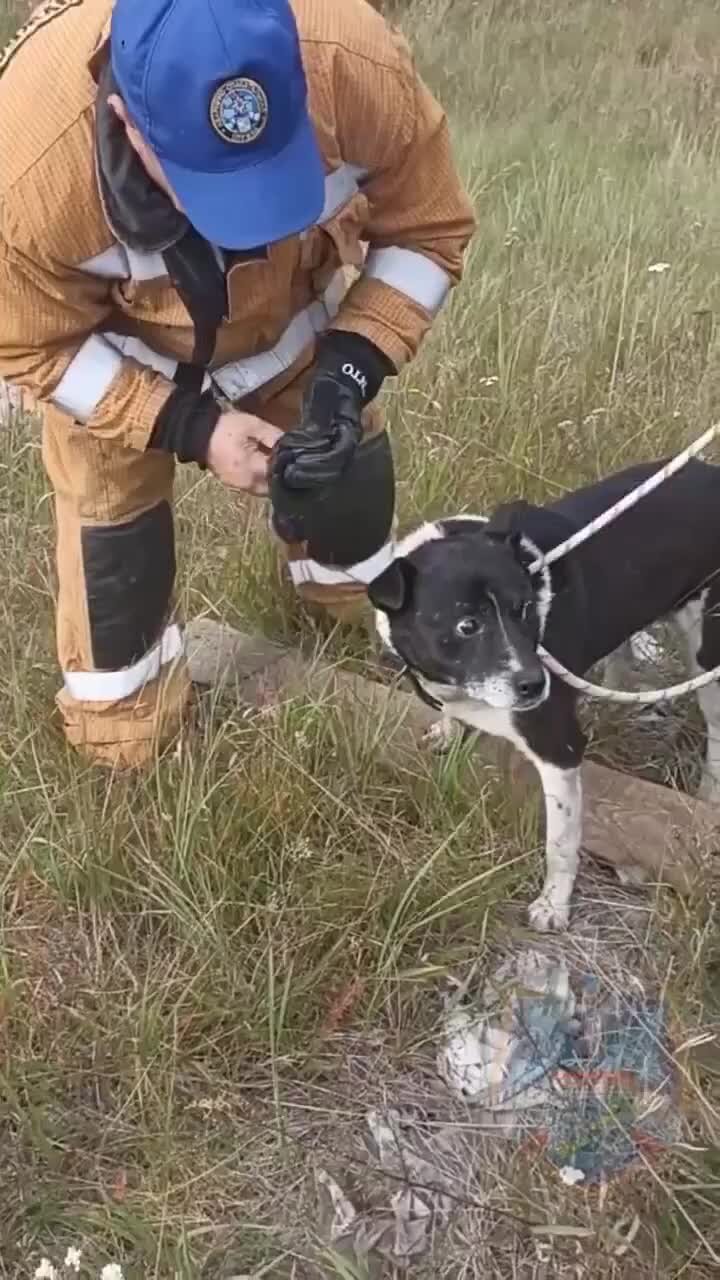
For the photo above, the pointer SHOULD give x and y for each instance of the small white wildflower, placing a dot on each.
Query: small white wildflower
(72, 1259)
(45, 1271)
(302, 849)
(209, 1106)
(490, 381)
(111, 1271)
(659, 267)
(570, 1176)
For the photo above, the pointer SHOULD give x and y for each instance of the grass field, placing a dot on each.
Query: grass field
(175, 957)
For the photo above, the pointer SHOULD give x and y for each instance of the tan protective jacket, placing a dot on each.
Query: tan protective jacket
(96, 329)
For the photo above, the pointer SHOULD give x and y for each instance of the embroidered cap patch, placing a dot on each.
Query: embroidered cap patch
(239, 111)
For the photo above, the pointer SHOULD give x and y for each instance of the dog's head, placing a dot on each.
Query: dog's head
(461, 608)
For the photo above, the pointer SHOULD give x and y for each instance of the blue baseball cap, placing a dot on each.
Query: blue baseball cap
(217, 89)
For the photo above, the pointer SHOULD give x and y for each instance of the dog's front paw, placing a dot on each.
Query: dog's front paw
(546, 915)
(440, 736)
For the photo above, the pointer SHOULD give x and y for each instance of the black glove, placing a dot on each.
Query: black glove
(348, 374)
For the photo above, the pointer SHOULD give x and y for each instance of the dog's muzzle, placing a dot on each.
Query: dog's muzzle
(531, 689)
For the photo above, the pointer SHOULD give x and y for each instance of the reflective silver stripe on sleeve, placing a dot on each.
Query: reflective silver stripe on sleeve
(112, 264)
(410, 273)
(146, 266)
(92, 371)
(136, 349)
(340, 186)
(87, 378)
(311, 571)
(121, 263)
(112, 686)
(242, 377)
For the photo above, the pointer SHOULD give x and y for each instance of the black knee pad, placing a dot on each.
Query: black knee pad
(351, 519)
(129, 579)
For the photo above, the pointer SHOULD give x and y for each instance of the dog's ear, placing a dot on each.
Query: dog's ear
(391, 591)
(456, 526)
(544, 527)
(524, 526)
(547, 528)
(506, 523)
(543, 531)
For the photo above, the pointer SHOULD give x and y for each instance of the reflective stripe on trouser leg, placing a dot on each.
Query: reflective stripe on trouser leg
(126, 685)
(342, 593)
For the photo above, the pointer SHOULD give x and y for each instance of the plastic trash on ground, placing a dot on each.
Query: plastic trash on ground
(401, 1230)
(593, 1065)
(544, 1056)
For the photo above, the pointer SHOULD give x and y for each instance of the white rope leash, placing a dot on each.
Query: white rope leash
(648, 696)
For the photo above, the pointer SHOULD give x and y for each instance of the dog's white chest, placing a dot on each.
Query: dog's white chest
(481, 717)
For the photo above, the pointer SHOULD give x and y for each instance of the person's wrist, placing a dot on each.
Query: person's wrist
(354, 362)
(200, 431)
(185, 424)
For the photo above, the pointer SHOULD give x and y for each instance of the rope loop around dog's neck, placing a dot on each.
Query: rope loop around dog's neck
(649, 696)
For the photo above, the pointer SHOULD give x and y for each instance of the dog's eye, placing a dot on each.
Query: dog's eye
(467, 627)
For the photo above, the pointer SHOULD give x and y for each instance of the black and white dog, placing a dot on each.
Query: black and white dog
(460, 609)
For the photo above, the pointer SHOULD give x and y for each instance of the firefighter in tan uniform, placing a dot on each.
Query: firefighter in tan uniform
(182, 183)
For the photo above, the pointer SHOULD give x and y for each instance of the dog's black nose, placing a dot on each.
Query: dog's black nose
(529, 686)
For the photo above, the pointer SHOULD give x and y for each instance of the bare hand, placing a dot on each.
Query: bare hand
(239, 451)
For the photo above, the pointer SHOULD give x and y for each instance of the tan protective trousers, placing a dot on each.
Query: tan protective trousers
(125, 693)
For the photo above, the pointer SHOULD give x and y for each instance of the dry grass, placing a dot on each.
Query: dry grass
(12, 12)
(171, 953)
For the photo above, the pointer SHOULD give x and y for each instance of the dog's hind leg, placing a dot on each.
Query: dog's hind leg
(555, 743)
(699, 622)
